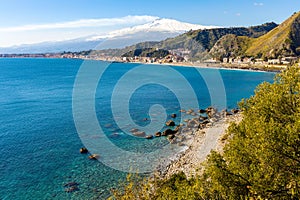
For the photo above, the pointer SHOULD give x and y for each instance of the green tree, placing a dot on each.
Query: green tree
(262, 159)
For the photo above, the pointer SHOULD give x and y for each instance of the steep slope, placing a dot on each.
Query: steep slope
(198, 42)
(209, 37)
(284, 40)
(148, 52)
(230, 46)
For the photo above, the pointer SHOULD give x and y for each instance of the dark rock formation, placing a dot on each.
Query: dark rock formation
(173, 115)
(167, 132)
(157, 134)
(149, 136)
(83, 150)
(170, 123)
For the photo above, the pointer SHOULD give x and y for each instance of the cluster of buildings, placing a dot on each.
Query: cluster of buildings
(179, 55)
(259, 61)
(175, 56)
(255, 61)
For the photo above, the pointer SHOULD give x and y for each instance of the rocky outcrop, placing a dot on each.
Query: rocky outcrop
(157, 134)
(83, 150)
(149, 136)
(94, 157)
(139, 134)
(167, 132)
(170, 123)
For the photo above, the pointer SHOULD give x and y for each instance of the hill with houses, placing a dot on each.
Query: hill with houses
(267, 43)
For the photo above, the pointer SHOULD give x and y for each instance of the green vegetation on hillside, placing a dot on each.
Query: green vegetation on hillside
(198, 42)
(148, 52)
(261, 159)
(230, 46)
(266, 41)
(281, 41)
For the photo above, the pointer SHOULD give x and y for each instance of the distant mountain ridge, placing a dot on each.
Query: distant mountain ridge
(158, 25)
(198, 42)
(266, 41)
(157, 30)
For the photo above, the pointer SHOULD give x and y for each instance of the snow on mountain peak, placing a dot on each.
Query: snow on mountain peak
(158, 25)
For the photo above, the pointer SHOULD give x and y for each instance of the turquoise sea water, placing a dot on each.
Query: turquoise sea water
(38, 138)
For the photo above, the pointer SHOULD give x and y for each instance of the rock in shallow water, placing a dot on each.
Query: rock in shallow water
(157, 134)
(139, 134)
(149, 136)
(83, 150)
(170, 123)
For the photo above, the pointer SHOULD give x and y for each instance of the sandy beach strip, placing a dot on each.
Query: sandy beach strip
(198, 148)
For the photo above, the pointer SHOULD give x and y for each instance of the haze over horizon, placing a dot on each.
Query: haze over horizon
(41, 21)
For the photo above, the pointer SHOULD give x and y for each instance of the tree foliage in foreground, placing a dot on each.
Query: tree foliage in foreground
(260, 161)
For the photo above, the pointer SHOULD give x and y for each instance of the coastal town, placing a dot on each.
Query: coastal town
(175, 57)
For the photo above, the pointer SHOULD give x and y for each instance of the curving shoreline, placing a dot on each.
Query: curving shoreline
(250, 68)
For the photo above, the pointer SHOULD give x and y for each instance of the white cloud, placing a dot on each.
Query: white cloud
(238, 14)
(258, 4)
(35, 33)
(83, 23)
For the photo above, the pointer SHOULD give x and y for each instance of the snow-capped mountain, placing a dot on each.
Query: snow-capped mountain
(157, 30)
(158, 25)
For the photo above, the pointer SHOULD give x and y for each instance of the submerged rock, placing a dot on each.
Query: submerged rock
(149, 136)
(70, 184)
(71, 189)
(134, 130)
(193, 114)
(173, 115)
(139, 134)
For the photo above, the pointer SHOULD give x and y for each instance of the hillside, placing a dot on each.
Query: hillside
(230, 46)
(264, 41)
(148, 52)
(283, 40)
(198, 42)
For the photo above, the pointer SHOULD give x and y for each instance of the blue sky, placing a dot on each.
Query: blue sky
(15, 14)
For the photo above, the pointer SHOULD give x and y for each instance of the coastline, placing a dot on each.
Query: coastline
(254, 68)
(198, 147)
(222, 66)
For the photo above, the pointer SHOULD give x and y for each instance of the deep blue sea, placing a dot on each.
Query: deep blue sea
(39, 137)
